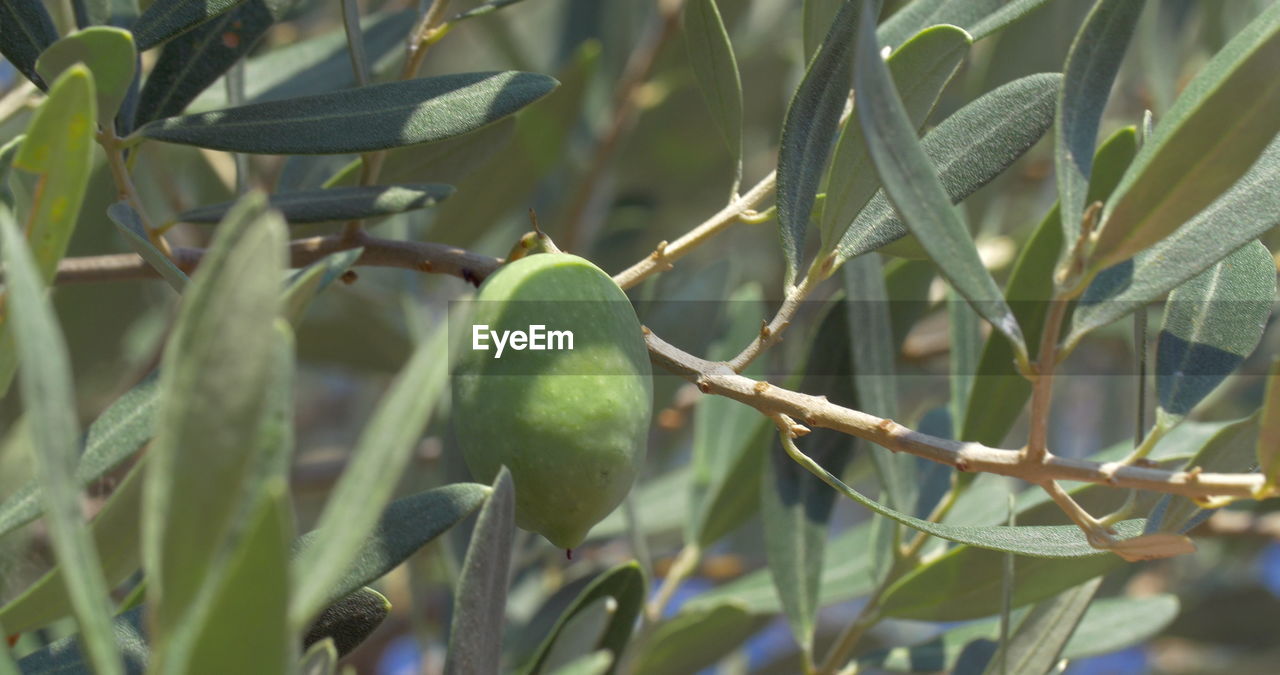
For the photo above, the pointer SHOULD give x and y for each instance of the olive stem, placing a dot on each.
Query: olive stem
(681, 568)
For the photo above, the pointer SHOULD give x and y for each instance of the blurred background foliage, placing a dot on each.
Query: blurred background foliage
(669, 171)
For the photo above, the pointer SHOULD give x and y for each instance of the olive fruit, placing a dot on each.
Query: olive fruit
(554, 382)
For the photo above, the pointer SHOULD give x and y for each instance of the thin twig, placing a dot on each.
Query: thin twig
(771, 332)
(113, 146)
(1042, 388)
(667, 253)
(683, 566)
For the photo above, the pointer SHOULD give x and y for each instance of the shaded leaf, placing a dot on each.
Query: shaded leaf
(1211, 324)
(921, 69)
(194, 60)
(166, 19)
(350, 620)
(368, 118)
(969, 149)
(1089, 73)
(716, 68)
(64, 656)
(696, 639)
(625, 584)
(1002, 389)
(407, 524)
(110, 57)
(26, 29)
(48, 398)
(129, 224)
(1043, 633)
(816, 19)
(447, 161)
(1248, 209)
(1231, 449)
(913, 185)
(808, 133)
(332, 204)
(215, 377)
(367, 484)
(1209, 138)
(475, 633)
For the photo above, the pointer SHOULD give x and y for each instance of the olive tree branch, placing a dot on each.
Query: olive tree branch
(666, 253)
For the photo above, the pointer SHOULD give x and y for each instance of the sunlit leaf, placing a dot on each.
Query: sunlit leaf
(109, 55)
(334, 204)
(130, 225)
(165, 19)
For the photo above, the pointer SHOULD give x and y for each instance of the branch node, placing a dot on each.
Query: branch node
(349, 277)
(760, 387)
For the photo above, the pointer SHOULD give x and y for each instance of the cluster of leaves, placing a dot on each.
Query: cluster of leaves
(207, 512)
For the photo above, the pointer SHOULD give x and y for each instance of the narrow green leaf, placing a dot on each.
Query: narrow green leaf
(873, 354)
(369, 118)
(716, 68)
(48, 397)
(597, 663)
(580, 633)
(1210, 137)
(194, 60)
(320, 658)
(475, 633)
(728, 438)
(695, 640)
(809, 132)
(999, 386)
(1245, 212)
(129, 224)
(1109, 624)
(921, 69)
(335, 204)
(407, 524)
(979, 18)
(112, 438)
(355, 41)
(1232, 449)
(816, 19)
(846, 574)
(1269, 432)
(65, 656)
(1090, 71)
(366, 486)
(1042, 635)
(26, 29)
(913, 185)
(624, 584)
(482, 9)
(305, 284)
(1211, 324)
(241, 625)
(215, 376)
(965, 331)
(116, 536)
(969, 149)
(109, 55)
(166, 19)
(448, 161)
(1009, 13)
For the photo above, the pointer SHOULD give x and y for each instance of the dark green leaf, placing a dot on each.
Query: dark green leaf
(1210, 137)
(625, 584)
(191, 62)
(1090, 71)
(109, 55)
(1002, 389)
(112, 438)
(714, 65)
(215, 378)
(694, 640)
(447, 161)
(916, 191)
(809, 132)
(48, 398)
(26, 29)
(1247, 210)
(481, 598)
(1043, 633)
(369, 118)
(7, 152)
(1211, 324)
(408, 524)
(366, 486)
(349, 620)
(64, 656)
(319, 206)
(921, 69)
(126, 220)
(969, 149)
(166, 19)
(817, 16)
